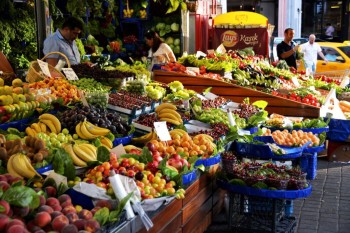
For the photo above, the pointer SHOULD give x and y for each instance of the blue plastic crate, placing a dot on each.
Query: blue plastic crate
(308, 164)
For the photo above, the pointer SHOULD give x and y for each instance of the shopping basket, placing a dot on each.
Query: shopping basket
(35, 74)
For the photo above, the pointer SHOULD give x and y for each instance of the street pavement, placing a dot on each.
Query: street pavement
(326, 210)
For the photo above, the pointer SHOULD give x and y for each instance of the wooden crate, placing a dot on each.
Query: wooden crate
(237, 93)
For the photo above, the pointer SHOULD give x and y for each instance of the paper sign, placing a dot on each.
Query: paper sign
(200, 54)
(83, 99)
(162, 130)
(344, 82)
(295, 81)
(44, 67)
(118, 150)
(193, 69)
(210, 51)
(70, 74)
(221, 49)
(210, 96)
(201, 97)
(57, 177)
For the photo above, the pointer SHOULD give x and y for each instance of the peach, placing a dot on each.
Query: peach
(3, 178)
(31, 226)
(59, 223)
(66, 203)
(42, 219)
(16, 229)
(70, 228)
(72, 217)
(95, 209)
(4, 220)
(51, 191)
(64, 198)
(9, 177)
(20, 211)
(47, 228)
(15, 180)
(104, 203)
(52, 201)
(69, 209)
(42, 199)
(55, 214)
(14, 222)
(6, 206)
(85, 214)
(92, 225)
(39, 231)
(80, 224)
(57, 208)
(4, 185)
(45, 208)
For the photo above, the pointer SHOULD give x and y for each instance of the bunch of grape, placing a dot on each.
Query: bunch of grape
(136, 86)
(55, 140)
(90, 85)
(155, 92)
(228, 155)
(246, 110)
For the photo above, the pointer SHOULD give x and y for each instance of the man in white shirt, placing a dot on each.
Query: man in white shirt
(310, 50)
(329, 31)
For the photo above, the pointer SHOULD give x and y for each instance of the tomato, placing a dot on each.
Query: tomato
(306, 100)
(292, 98)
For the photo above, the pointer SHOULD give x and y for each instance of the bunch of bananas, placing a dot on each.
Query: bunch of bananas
(106, 142)
(19, 165)
(145, 138)
(89, 131)
(143, 14)
(81, 153)
(127, 13)
(175, 132)
(48, 123)
(167, 112)
(128, 148)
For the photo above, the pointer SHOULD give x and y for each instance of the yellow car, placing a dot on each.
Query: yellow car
(338, 56)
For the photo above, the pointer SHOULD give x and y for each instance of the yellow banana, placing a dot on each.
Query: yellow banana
(165, 105)
(172, 121)
(28, 164)
(206, 136)
(49, 124)
(20, 166)
(143, 139)
(10, 168)
(128, 148)
(36, 127)
(82, 154)
(107, 142)
(42, 127)
(76, 160)
(53, 119)
(170, 116)
(170, 111)
(90, 149)
(30, 132)
(93, 129)
(179, 131)
(85, 132)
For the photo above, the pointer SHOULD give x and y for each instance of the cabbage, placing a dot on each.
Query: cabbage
(177, 49)
(160, 26)
(175, 27)
(169, 40)
(177, 41)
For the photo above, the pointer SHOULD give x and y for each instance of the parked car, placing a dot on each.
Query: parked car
(338, 56)
(278, 40)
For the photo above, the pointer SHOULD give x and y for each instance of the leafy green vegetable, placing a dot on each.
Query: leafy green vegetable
(115, 214)
(62, 163)
(257, 118)
(102, 154)
(102, 216)
(22, 196)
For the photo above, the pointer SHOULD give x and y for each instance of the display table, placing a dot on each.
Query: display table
(238, 93)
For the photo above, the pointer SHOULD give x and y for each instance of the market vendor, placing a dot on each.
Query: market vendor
(286, 50)
(63, 41)
(159, 52)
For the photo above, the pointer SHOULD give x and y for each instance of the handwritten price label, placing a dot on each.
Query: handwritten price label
(44, 67)
(70, 74)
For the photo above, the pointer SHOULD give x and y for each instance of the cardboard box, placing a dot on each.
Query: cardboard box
(338, 151)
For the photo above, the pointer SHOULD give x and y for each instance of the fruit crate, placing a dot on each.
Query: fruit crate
(258, 214)
(308, 164)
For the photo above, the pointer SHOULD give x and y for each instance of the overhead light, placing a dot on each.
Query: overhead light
(335, 6)
(339, 3)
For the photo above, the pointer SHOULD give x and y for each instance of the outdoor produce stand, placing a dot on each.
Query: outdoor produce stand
(237, 93)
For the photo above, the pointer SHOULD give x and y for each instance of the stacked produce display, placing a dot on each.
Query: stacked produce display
(104, 123)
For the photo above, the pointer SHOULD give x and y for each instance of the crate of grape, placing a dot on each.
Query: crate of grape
(97, 98)
(126, 105)
(144, 122)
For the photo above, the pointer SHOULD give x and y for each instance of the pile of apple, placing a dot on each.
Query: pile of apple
(53, 214)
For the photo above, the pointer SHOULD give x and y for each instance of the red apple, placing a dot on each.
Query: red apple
(151, 146)
(176, 156)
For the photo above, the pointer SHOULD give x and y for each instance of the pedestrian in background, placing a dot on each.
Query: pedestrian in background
(311, 49)
(286, 50)
(329, 31)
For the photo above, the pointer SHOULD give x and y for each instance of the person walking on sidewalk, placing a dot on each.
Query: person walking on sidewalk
(311, 49)
(286, 50)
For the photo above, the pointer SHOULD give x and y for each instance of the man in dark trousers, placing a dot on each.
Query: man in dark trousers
(286, 50)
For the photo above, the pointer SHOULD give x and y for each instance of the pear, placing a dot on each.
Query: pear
(17, 90)
(15, 98)
(1, 82)
(17, 82)
(3, 100)
(8, 90)
(22, 97)
(9, 99)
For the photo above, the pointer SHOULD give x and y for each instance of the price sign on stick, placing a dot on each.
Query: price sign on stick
(162, 130)
(44, 67)
(83, 99)
(118, 150)
(70, 74)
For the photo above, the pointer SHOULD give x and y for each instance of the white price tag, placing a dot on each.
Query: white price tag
(118, 150)
(83, 99)
(221, 49)
(162, 130)
(210, 96)
(70, 74)
(44, 67)
(200, 54)
(193, 69)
